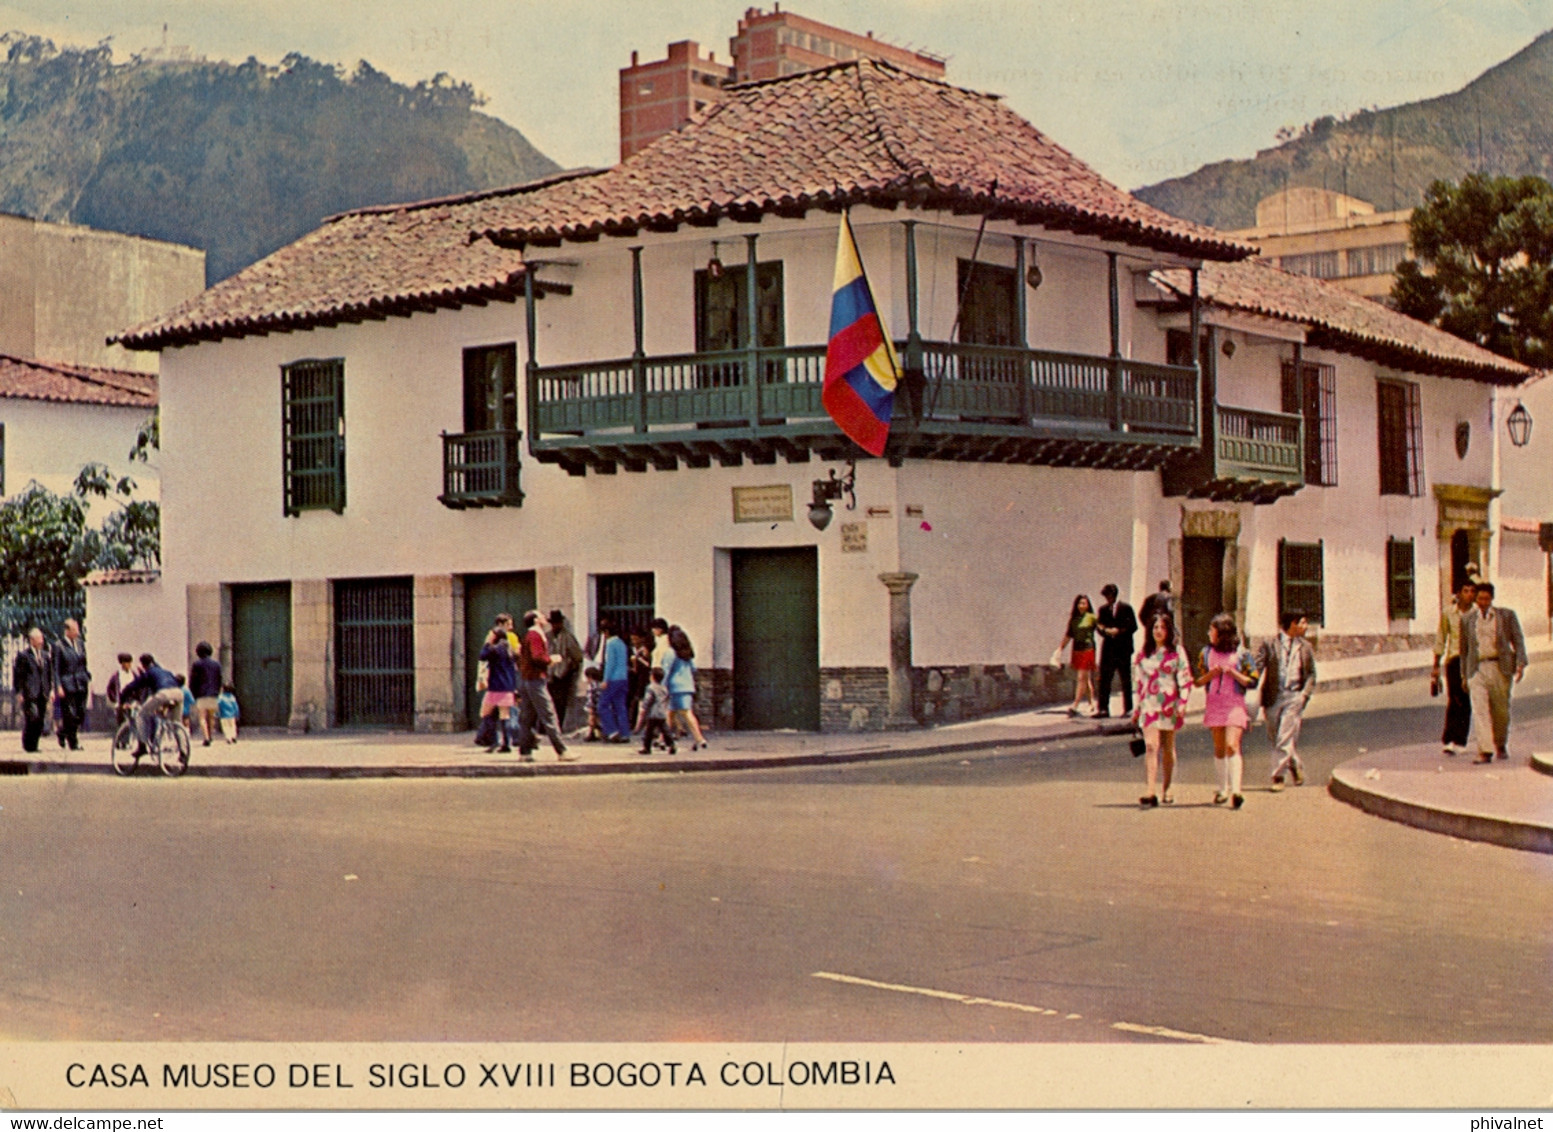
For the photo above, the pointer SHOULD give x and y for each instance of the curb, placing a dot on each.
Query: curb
(1455, 823)
(1542, 761)
(661, 765)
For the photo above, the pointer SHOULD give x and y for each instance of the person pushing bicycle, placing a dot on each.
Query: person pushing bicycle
(159, 692)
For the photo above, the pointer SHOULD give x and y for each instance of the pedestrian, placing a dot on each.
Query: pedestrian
(1160, 601)
(594, 675)
(72, 684)
(565, 665)
(122, 708)
(205, 683)
(1117, 625)
(653, 715)
(616, 683)
(1447, 648)
(1163, 682)
(535, 708)
(228, 712)
(1493, 655)
(639, 668)
(499, 655)
(1081, 631)
(1226, 670)
(679, 677)
(1288, 667)
(188, 701)
(32, 679)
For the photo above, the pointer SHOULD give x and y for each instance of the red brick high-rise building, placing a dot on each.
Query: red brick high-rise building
(659, 97)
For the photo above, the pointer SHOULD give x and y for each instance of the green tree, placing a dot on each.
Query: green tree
(1484, 264)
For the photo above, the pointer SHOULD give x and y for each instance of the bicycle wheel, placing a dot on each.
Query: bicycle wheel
(175, 749)
(124, 758)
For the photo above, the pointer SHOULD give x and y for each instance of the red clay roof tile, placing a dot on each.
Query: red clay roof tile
(34, 380)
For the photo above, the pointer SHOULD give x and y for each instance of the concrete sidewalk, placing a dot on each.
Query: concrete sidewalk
(377, 754)
(1506, 802)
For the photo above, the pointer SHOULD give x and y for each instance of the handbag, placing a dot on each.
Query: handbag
(1137, 744)
(483, 676)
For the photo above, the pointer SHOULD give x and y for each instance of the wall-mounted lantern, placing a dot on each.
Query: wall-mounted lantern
(829, 489)
(1519, 425)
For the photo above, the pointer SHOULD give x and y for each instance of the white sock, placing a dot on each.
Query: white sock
(1221, 768)
(1236, 766)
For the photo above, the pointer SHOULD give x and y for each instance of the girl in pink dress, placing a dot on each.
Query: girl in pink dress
(1226, 670)
(1164, 681)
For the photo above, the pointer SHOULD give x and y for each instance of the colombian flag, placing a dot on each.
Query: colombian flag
(860, 365)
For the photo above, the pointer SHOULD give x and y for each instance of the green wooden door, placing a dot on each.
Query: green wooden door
(261, 653)
(1202, 591)
(486, 595)
(776, 639)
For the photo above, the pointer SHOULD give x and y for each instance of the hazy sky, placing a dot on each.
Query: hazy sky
(1141, 89)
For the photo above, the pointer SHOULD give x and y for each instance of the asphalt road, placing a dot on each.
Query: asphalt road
(725, 906)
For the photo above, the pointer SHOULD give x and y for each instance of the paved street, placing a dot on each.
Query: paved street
(705, 906)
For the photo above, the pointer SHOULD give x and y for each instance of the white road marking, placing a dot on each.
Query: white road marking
(1022, 1007)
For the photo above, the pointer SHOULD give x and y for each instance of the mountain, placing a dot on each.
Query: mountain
(1500, 123)
(235, 158)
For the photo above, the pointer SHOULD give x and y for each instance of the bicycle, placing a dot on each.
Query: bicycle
(168, 748)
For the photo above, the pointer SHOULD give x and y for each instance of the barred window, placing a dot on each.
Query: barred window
(1300, 590)
(313, 435)
(1310, 390)
(1401, 438)
(627, 599)
(1400, 605)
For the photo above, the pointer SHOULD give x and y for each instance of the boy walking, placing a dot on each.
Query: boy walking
(227, 712)
(653, 717)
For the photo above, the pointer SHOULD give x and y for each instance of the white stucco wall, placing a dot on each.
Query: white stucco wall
(50, 441)
(135, 618)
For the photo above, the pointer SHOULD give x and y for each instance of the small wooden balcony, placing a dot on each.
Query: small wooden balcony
(967, 402)
(1248, 456)
(480, 469)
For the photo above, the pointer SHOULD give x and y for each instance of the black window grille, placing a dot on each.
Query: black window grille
(313, 435)
(1400, 601)
(1300, 580)
(1310, 389)
(627, 599)
(374, 621)
(1401, 438)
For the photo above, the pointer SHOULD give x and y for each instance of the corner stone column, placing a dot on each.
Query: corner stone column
(899, 586)
(312, 654)
(439, 648)
(204, 621)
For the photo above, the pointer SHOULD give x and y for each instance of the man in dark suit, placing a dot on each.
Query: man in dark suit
(72, 683)
(32, 679)
(1117, 624)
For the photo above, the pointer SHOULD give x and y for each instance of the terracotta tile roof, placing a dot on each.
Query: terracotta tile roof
(367, 264)
(859, 132)
(852, 133)
(34, 380)
(1338, 319)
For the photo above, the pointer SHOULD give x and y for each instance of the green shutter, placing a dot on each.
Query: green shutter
(313, 435)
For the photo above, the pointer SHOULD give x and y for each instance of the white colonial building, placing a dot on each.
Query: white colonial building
(602, 393)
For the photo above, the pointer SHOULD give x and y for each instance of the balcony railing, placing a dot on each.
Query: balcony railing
(1256, 457)
(976, 402)
(480, 469)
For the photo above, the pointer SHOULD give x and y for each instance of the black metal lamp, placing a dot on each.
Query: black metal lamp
(1519, 425)
(714, 266)
(833, 488)
(1033, 276)
(1228, 348)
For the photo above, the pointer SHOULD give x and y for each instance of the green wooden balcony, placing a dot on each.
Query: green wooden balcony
(976, 403)
(480, 469)
(1249, 456)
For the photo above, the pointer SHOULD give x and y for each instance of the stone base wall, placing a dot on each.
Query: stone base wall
(854, 699)
(947, 693)
(1333, 646)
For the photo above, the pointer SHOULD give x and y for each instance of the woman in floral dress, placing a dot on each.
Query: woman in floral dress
(1227, 670)
(1163, 677)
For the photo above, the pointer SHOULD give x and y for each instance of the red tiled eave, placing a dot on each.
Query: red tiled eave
(33, 379)
(1338, 319)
